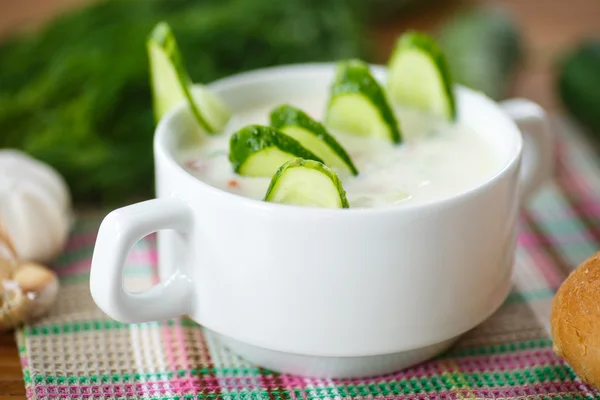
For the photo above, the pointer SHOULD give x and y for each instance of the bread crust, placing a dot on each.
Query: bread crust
(575, 321)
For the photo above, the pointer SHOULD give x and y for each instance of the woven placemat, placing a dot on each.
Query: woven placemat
(79, 353)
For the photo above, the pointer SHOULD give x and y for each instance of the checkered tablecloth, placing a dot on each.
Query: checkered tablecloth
(79, 353)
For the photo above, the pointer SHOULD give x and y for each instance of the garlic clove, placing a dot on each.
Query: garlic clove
(37, 227)
(41, 302)
(32, 277)
(39, 284)
(14, 307)
(6, 269)
(7, 250)
(27, 294)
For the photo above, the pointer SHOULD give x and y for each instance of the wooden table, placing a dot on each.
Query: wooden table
(11, 376)
(548, 29)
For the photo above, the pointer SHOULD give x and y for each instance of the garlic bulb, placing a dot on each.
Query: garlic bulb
(35, 213)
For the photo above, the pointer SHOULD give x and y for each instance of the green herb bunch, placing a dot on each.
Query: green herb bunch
(77, 96)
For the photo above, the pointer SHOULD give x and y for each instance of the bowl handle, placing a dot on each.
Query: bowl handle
(537, 161)
(119, 231)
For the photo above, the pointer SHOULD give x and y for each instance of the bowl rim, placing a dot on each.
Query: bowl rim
(161, 153)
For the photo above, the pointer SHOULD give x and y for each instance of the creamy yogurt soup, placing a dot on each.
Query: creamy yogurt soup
(436, 160)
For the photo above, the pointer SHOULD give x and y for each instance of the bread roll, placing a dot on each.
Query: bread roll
(575, 321)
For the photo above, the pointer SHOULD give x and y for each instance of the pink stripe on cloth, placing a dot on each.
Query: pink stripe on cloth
(87, 239)
(507, 362)
(180, 337)
(547, 268)
(590, 207)
(177, 360)
(138, 389)
(147, 256)
(527, 240)
(430, 368)
(291, 381)
(533, 390)
(82, 240)
(575, 181)
(542, 260)
(202, 383)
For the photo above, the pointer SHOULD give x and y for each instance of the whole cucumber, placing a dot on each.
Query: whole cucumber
(579, 84)
(389, 10)
(483, 47)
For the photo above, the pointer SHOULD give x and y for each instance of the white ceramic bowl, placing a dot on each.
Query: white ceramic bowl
(322, 292)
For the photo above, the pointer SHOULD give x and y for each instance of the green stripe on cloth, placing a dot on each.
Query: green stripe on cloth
(523, 297)
(503, 348)
(97, 325)
(378, 387)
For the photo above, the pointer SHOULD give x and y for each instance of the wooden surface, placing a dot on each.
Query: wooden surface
(11, 376)
(549, 27)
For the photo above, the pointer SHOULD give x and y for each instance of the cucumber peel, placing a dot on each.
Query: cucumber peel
(306, 183)
(171, 83)
(259, 151)
(419, 77)
(312, 135)
(359, 105)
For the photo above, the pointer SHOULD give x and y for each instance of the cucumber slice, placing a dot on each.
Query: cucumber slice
(171, 83)
(307, 183)
(257, 150)
(358, 104)
(419, 77)
(312, 135)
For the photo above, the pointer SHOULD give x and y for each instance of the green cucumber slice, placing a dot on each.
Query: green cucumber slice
(419, 77)
(358, 104)
(307, 183)
(312, 135)
(257, 150)
(171, 83)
